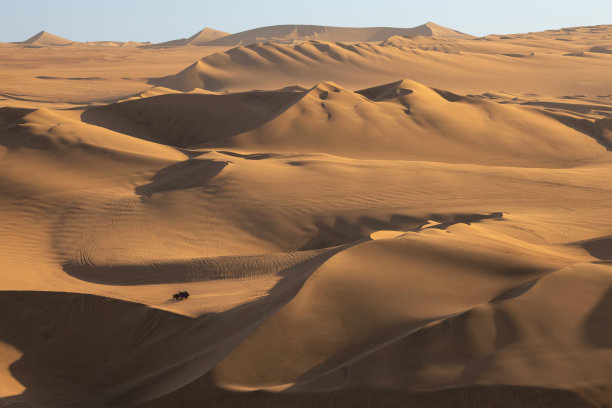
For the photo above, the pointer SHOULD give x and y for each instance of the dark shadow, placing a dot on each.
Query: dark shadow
(10, 116)
(58, 332)
(406, 219)
(571, 107)
(603, 132)
(449, 96)
(375, 224)
(191, 173)
(517, 55)
(597, 327)
(340, 232)
(385, 92)
(160, 81)
(252, 156)
(185, 120)
(203, 392)
(600, 248)
(601, 49)
(515, 292)
(263, 50)
(296, 163)
(328, 51)
(13, 136)
(73, 79)
(463, 219)
(592, 128)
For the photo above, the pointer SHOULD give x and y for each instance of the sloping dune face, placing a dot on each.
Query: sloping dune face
(396, 243)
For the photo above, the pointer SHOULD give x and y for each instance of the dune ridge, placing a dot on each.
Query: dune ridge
(249, 67)
(202, 37)
(301, 33)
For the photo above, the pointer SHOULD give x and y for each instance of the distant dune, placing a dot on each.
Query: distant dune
(301, 33)
(203, 37)
(461, 64)
(45, 38)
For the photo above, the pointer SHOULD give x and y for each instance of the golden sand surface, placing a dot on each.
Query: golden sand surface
(415, 221)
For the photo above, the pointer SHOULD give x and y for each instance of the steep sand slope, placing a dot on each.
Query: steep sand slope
(301, 33)
(398, 245)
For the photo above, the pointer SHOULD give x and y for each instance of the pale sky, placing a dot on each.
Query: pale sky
(162, 20)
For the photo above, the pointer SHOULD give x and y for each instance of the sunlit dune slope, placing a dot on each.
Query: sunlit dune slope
(401, 120)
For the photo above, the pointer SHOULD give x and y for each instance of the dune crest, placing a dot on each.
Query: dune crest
(45, 38)
(458, 64)
(384, 122)
(301, 33)
(202, 37)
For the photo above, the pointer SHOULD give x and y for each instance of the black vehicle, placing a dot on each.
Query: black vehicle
(182, 295)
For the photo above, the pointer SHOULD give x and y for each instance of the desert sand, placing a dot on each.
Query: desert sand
(419, 220)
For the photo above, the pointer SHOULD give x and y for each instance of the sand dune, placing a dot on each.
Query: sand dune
(44, 38)
(351, 231)
(301, 33)
(202, 37)
(519, 65)
(386, 122)
(522, 65)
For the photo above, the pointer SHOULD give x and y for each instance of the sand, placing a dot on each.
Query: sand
(413, 221)
(202, 37)
(301, 33)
